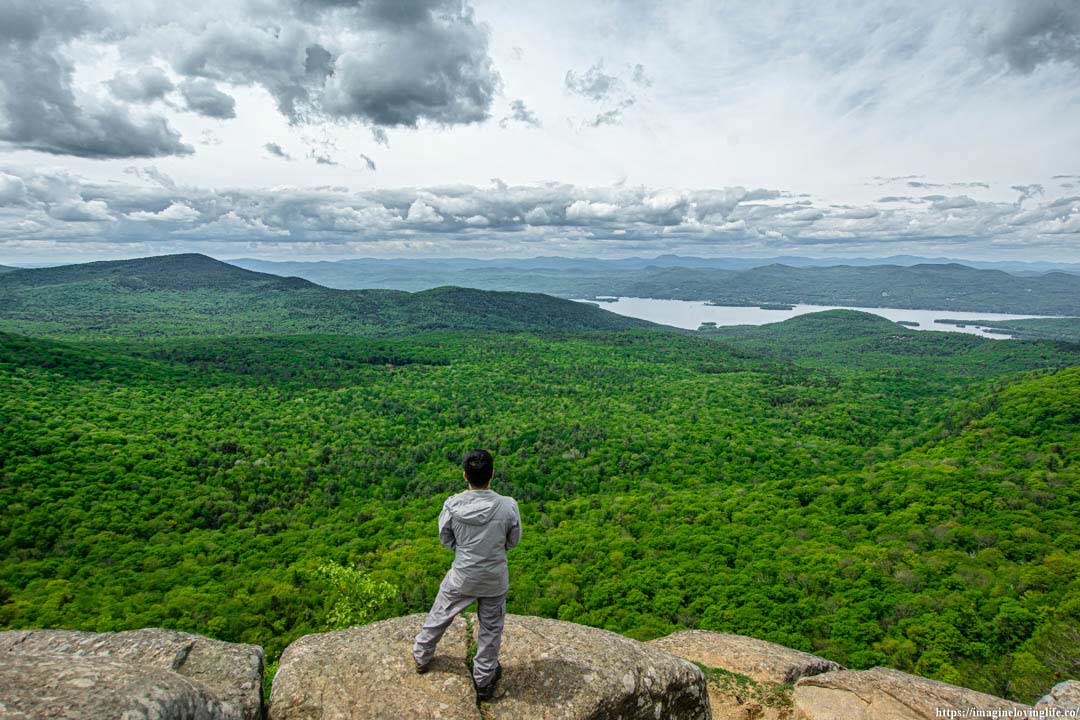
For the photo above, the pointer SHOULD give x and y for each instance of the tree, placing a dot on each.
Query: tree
(356, 597)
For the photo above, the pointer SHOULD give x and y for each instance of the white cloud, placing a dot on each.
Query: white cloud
(12, 189)
(585, 210)
(421, 212)
(81, 211)
(234, 225)
(537, 216)
(176, 212)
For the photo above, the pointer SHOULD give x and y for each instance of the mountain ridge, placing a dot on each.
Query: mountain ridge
(196, 294)
(928, 286)
(672, 259)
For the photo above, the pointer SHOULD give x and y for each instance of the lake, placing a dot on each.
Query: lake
(691, 313)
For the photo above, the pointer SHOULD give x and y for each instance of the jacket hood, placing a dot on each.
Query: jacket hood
(474, 507)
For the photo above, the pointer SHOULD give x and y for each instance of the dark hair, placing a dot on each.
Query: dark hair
(479, 467)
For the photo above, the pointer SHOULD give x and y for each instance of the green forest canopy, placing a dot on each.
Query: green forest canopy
(835, 483)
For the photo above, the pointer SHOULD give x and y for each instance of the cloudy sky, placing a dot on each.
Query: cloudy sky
(322, 129)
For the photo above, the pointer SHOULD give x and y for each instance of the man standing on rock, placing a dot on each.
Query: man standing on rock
(479, 525)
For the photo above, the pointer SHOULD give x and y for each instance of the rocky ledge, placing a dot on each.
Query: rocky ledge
(152, 673)
(552, 670)
(748, 679)
(886, 694)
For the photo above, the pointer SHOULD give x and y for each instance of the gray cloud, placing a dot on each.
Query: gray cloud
(381, 62)
(879, 180)
(640, 77)
(203, 97)
(520, 114)
(954, 203)
(613, 116)
(434, 66)
(276, 150)
(859, 214)
(1027, 191)
(81, 211)
(399, 63)
(594, 83)
(25, 21)
(1038, 32)
(598, 86)
(368, 161)
(145, 85)
(38, 107)
(12, 189)
(152, 174)
(918, 181)
(59, 213)
(38, 110)
(241, 52)
(59, 208)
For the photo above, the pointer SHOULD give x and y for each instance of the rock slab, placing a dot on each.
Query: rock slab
(73, 687)
(561, 671)
(552, 670)
(886, 694)
(368, 672)
(1063, 696)
(169, 674)
(757, 659)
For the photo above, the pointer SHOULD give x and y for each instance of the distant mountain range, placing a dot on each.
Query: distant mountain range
(345, 268)
(929, 285)
(192, 294)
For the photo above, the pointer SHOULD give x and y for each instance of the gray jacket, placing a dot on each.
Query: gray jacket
(479, 526)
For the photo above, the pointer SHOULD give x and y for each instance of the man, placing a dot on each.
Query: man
(479, 525)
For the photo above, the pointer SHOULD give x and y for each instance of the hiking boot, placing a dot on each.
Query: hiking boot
(421, 669)
(488, 691)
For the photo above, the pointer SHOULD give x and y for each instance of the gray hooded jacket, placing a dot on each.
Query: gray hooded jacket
(479, 526)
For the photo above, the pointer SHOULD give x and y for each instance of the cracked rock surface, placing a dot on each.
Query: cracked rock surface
(885, 694)
(148, 673)
(757, 659)
(1063, 696)
(552, 670)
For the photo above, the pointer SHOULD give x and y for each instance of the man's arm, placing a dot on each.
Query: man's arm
(513, 533)
(446, 529)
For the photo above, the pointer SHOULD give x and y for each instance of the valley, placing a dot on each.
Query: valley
(185, 443)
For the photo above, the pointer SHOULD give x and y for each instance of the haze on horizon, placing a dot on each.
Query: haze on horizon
(326, 129)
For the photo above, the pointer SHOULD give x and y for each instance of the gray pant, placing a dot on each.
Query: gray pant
(490, 611)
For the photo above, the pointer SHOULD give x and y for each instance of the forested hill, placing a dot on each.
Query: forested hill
(914, 509)
(188, 295)
(6, 269)
(188, 271)
(850, 341)
(929, 286)
(932, 286)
